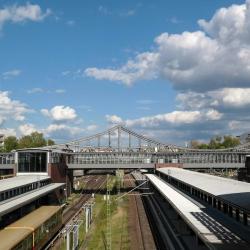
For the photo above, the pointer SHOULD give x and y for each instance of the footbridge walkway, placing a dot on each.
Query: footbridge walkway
(120, 147)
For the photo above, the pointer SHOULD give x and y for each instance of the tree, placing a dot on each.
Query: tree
(195, 144)
(217, 143)
(230, 141)
(50, 142)
(10, 143)
(33, 140)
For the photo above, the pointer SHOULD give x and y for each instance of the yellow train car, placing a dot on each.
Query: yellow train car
(32, 231)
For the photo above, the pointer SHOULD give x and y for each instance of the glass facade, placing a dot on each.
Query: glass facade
(32, 162)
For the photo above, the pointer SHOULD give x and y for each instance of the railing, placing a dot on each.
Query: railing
(138, 158)
(7, 159)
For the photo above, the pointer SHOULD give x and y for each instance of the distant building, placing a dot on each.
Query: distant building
(244, 138)
(2, 140)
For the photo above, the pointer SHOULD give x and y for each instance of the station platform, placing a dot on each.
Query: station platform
(26, 198)
(22, 180)
(236, 193)
(211, 232)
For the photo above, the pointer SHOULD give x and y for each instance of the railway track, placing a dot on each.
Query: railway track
(94, 183)
(144, 239)
(164, 235)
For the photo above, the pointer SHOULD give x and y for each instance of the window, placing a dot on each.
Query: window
(32, 161)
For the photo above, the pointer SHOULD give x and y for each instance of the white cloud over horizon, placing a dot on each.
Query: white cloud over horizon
(11, 109)
(21, 13)
(208, 68)
(216, 56)
(60, 113)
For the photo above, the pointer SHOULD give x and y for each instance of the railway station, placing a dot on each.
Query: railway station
(179, 203)
(226, 195)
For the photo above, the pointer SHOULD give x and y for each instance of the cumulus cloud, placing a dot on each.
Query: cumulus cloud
(236, 98)
(8, 131)
(174, 118)
(27, 129)
(114, 119)
(60, 113)
(11, 109)
(216, 56)
(21, 13)
(63, 132)
(140, 68)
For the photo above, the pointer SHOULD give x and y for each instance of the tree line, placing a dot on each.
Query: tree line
(218, 142)
(33, 140)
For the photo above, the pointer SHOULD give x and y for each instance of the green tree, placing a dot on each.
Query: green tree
(230, 141)
(50, 142)
(10, 143)
(217, 142)
(33, 140)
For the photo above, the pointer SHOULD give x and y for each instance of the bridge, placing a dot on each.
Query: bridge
(128, 149)
(120, 147)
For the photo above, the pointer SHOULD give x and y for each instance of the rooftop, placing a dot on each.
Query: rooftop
(214, 234)
(26, 198)
(233, 191)
(19, 181)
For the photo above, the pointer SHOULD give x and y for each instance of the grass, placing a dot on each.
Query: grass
(95, 239)
(119, 222)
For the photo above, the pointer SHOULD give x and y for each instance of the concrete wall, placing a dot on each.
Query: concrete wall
(214, 165)
(110, 166)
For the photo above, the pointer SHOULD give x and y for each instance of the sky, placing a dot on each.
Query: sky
(171, 70)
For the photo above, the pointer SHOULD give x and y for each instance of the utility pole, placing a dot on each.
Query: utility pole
(109, 230)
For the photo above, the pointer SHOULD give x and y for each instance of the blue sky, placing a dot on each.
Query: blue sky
(74, 68)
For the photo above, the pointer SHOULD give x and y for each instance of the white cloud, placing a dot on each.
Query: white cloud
(27, 129)
(228, 24)
(60, 113)
(11, 109)
(60, 91)
(216, 57)
(63, 132)
(233, 97)
(10, 74)
(22, 13)
(8, 131)
(141, 68)
(114, 119)
(35, 90)
(66, 72)
(92, 127)
(127, 13)
(71, 23)
(221, 98)
(174, 118)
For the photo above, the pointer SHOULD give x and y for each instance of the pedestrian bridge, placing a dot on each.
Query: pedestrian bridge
(119, 147)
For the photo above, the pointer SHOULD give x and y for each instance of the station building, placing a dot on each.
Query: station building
(39, 177)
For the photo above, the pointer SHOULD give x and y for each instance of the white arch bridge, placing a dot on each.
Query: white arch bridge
(124, 148)
(120, 147)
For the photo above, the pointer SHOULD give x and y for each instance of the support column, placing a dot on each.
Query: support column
(68, 239)
(237, 214)
(245, 219)
(99, 141)
(230, 211)
(119, 138)
(86, 219)
(214, 202)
